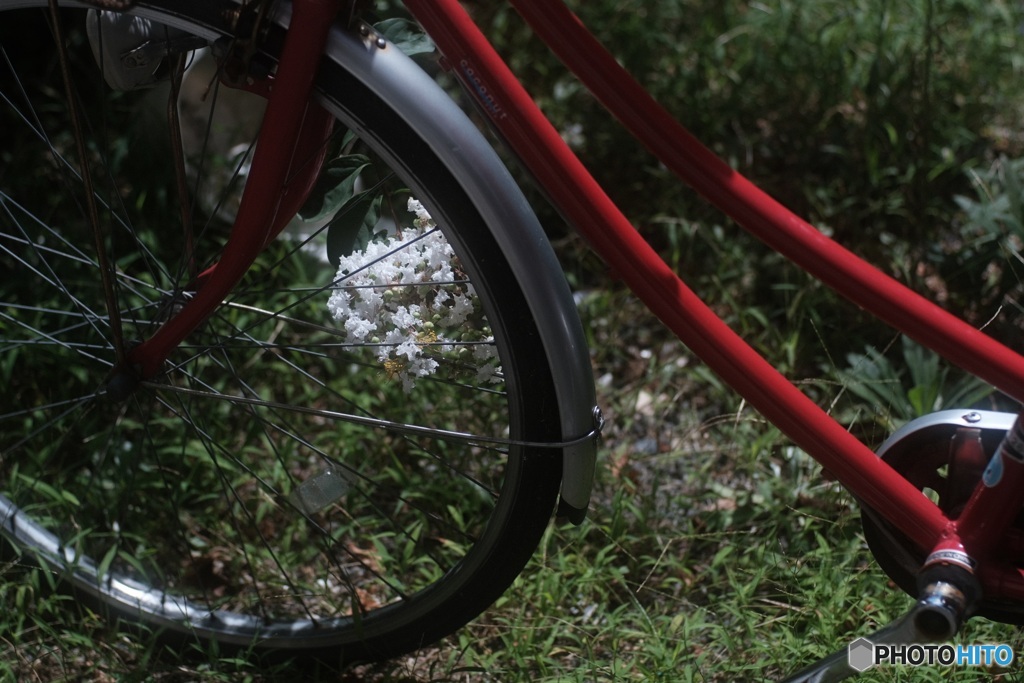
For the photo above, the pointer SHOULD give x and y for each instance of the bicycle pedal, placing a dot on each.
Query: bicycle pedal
(936, 617)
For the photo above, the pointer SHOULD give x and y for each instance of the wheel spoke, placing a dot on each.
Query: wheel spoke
(105, 269)
(363, 447)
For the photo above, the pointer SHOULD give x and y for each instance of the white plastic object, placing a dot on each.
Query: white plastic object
(320, 491)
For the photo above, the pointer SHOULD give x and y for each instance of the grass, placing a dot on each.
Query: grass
(714, 550)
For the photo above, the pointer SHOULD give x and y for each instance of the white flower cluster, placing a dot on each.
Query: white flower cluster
(404, 295)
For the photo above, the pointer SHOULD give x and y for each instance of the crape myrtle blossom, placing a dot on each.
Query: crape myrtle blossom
(405, 295)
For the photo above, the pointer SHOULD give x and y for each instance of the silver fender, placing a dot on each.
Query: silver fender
(428, 109)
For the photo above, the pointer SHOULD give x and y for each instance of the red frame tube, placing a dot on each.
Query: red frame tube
(265, 196)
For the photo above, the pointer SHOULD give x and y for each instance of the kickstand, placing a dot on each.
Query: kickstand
(935, 618)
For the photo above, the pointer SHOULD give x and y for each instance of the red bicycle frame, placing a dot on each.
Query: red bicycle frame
(578, 196)
(974, 536)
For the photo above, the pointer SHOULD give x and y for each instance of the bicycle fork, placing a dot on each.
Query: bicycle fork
(288, 156)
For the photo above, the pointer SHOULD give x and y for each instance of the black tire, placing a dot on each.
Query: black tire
(192, 507)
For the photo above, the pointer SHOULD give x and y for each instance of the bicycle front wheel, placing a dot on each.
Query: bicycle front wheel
(338, 462)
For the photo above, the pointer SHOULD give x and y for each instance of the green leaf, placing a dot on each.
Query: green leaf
(923, 365)
(108, 558)
(922, 399)
(406, 35)
(335, 186)
(1014, 195)
(352, 229)
(42, 487)
(134, 562)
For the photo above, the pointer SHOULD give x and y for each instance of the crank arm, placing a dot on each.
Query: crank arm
(936, 617)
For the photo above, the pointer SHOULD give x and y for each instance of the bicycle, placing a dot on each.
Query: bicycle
(289, 396)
